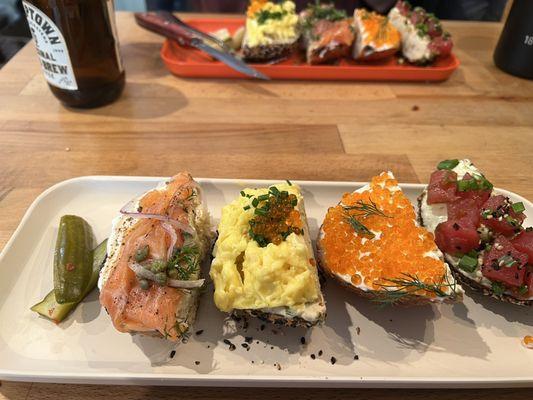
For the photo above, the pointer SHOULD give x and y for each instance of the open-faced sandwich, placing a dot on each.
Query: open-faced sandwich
(371, 242)
(423, 39)
(149, 283)
(263, 259)
(327, 33)
(375, 37)
(271, 30)
(480, 231)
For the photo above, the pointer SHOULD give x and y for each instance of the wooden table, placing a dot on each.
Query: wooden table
(239, 128)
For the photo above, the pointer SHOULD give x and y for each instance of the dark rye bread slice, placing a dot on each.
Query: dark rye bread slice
(408, 300)
(464, 280)
(269, 52)
(278, 319)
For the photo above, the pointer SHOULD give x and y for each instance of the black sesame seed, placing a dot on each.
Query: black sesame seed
(271, 347)
(200, 332)
(172, 353)
(248, 339)
(356, 357)
(333, 360)
(232, 347)
(197, 362)
(245, 345)
(302, 340)
(227, 342)
(456, 226)
(262, 327)
(313, 356)
(320, 353)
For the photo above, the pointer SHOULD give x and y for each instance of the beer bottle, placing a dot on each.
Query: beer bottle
(77, 45)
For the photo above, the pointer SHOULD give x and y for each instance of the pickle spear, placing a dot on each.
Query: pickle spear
(51, 309)
(72, 259)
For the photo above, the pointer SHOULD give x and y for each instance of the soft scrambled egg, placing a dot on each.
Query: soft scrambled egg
(281, 275)
(273, 30)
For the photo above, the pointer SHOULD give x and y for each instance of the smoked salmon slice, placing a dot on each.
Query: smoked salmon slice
(149, 283)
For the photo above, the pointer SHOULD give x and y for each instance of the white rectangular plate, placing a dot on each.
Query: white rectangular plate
(475, 343)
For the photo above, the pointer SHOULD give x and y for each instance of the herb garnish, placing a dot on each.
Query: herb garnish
(448, 164)
(184, 263)
(364, 210)
(477, 182)
(263, 16)
(274, 215)
(400, 288)
(498, 288)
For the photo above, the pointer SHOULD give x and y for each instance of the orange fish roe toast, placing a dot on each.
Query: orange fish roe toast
(372, 243)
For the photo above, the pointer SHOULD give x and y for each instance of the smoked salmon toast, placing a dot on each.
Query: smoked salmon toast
(372, 243)
(149, 283)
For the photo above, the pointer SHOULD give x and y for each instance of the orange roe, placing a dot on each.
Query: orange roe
(255, 6)
(397, 248)
(379, 29)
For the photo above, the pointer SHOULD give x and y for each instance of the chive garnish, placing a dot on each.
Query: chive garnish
(506, 261)
(255, 202)
(448, 164)
(246, 207)
(274, 190)
(242, 193)
(263, 197)
(523, 289)
(260, 211)
(288, 182)
(518, 207)
(468, 263)
(498, 288)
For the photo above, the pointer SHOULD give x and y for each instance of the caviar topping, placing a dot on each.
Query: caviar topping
(275, 217)
(399, 248)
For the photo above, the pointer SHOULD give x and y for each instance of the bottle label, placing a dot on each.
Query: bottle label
(51, 49)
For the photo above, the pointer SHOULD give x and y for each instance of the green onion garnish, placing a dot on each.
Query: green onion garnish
(518, 207)
(246, 207)
(498, 288)
(523, 289)
(261, 211)
(263, 197)
(274, 190)
(294, 202)
(255, 202)
(485, 214)
(242, 193)
(506, 261)
(448, 164)
(468, 263)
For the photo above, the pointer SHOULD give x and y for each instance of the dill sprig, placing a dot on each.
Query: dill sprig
(185, 261)
(358, 226)
(365, 210)
(400, 288)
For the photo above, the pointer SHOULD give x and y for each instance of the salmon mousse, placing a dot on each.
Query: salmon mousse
(371, 242)
(150, 282)
(480, 230)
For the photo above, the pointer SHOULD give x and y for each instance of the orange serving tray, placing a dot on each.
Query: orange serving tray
(192, 63)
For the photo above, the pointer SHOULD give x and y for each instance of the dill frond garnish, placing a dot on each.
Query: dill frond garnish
(358, 226)
(365, 210)
(185, 262)
(399, 288)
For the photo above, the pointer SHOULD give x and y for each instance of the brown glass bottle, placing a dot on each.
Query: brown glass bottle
(77, 45)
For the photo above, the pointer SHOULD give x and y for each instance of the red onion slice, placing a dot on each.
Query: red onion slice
(142, 272)
(165, 218)
(185, 284)
(173, 238)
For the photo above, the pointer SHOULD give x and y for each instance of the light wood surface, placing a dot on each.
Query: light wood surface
(237, 128)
